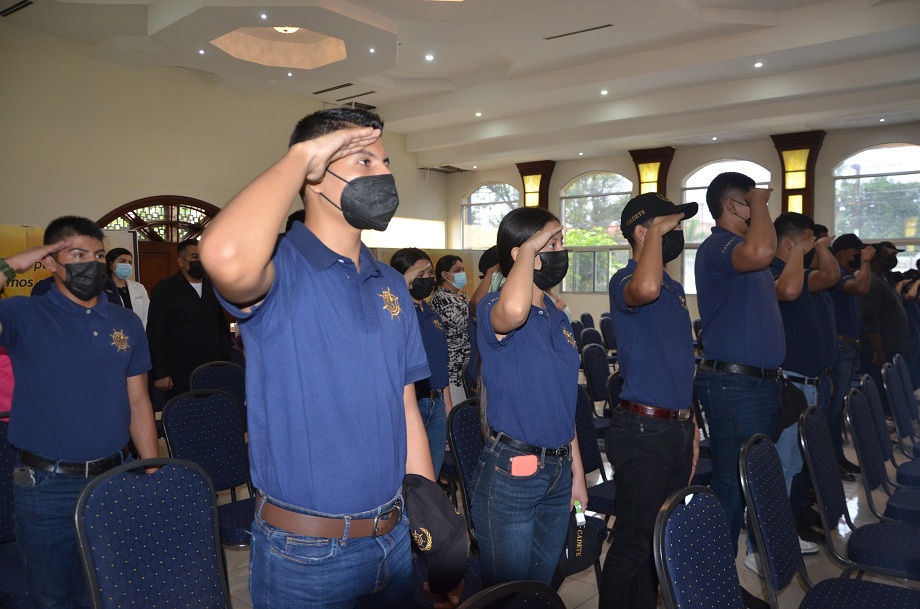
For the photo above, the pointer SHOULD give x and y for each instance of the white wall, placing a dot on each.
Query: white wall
(83, 137)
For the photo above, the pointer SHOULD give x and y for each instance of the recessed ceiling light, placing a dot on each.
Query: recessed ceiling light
(264, 16)
(429, 57)
(201, 51)
(474, 166)
(286, 29)
(290, 74)
(881, 120)
(759, 64)
(604, 92)
(714, 138)
(372, 51)
(480, 114)
(581, 154)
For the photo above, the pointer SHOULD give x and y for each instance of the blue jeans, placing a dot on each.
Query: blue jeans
(290, 571)
(790, 454)
(737, 407)
(845, 368)
(651, 458)
(44, 513)
(521, 522)
(435, 419)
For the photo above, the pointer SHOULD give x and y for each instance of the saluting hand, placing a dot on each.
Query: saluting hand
(333, 146)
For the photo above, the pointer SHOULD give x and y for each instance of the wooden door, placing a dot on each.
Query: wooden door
(157, 261)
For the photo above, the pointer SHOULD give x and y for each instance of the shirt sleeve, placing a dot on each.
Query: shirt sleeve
(618, 294)
(14, 321)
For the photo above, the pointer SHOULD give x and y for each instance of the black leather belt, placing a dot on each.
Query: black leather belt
(656, 412)
(743, 369)
(848, 339)
(562, 451)
(434, 394)
(803, 380)
(87, 469)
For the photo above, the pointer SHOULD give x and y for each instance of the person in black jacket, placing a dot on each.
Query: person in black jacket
(186, 326)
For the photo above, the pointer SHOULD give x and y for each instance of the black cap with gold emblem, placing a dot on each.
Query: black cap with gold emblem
(651, 205)
(438, 530)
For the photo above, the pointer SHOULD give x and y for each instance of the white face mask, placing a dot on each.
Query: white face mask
(459, 281)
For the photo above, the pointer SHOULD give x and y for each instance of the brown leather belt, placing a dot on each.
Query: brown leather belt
(330, 528)
(655, 412)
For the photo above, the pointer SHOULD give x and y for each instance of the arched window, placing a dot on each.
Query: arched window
(697, 228)
(482, 211)
(877, 196)
(591, 207)
(165, 218)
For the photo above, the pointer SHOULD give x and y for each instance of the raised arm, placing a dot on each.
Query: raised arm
(828, 272)
(645, 285)
(860, 285)
(513, 306)
(25, 260)
(236, 247)
(759, 246)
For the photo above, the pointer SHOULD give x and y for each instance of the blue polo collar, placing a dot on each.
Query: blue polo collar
(67, 305)
(321, 257)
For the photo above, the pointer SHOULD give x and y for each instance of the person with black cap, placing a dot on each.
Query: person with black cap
(854, 258)
(652, 441)
(884, 320)
(738, 380)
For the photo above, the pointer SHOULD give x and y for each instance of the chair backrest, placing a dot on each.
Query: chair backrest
(470, 384)
(206, 427)
(816, 444)
(7, 462)
(694, 556)
(900, 407)
(865, 441)
(238, 357)
(587, 319)
(607, 332)
(151, 540)
(221, 376)
(577, 327)
(591, 336)
(870, 390)
(597, 369)
(900, 364)
(464, 433)
(514, 595)
(774, 525)
(614, 387)
(587, 434)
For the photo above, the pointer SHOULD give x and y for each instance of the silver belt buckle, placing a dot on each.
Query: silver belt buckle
(398, 509)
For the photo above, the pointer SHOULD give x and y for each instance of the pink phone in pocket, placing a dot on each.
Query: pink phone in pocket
(524, 465)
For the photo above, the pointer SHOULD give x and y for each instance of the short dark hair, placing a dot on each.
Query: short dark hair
(443, 266)
(516, 227)
(403, 259)
(724, 186)
(820, 229)
(792, 224)
(184, 245)
(631, 237)
(328, 120)
(71, 226)
(299, 215)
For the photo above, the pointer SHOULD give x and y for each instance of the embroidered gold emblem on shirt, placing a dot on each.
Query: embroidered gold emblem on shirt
(422, 539)
(119, 339)
(570, 338)
(437, 324)
(683, 302)
(391, 303)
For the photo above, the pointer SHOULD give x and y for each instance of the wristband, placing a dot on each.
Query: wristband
(7, 270)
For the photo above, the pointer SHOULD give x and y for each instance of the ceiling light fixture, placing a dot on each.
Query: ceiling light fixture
(480, 114)
(286, 29)
(759, 64)
(881, 120)
(581, 154)
(604, 92)
(264, 16)
(714, 138)
(201, 51)
(474, 166)
(290, 74)
(372, 50)
(429, 57)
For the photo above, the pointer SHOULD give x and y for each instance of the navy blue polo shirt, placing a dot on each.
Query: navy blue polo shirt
(739, 311)
(655, 344)
(827, 326)
(530, 375)
(800, 322)
(328, 354)
(71, 365)
(435, 341)
(846, 307)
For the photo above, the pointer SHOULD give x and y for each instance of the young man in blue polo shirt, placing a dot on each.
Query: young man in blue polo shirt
(737, 382)
(652, 441)
(81, 394)
(333, 352)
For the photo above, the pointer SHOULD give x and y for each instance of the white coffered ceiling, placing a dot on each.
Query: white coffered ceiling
(675, 71)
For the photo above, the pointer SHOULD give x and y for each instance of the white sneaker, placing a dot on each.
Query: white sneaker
(807, 547)
(752, 562)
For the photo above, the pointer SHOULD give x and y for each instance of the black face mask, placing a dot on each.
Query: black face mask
(857, 260)
(85, 280)
(672, 244)
(421, 288)
(889, 262)
(368, 202)
(555, 266)
(809, 257)
(195, 269)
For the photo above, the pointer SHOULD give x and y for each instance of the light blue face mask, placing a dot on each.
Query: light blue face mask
(459, 281)
(123, 270)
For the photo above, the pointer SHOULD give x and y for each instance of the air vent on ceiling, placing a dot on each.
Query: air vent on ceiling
(590, 29)
(445, 169)
(347, 84)
(15, 7)
(361, 106)
(354, 96)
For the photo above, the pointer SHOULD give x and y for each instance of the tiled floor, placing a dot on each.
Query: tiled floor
(580, 591)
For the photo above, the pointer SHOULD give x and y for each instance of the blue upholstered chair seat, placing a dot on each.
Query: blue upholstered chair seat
(857, 594)
(236, 521)
(887, 545)
(908, 474)
(904, 506)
